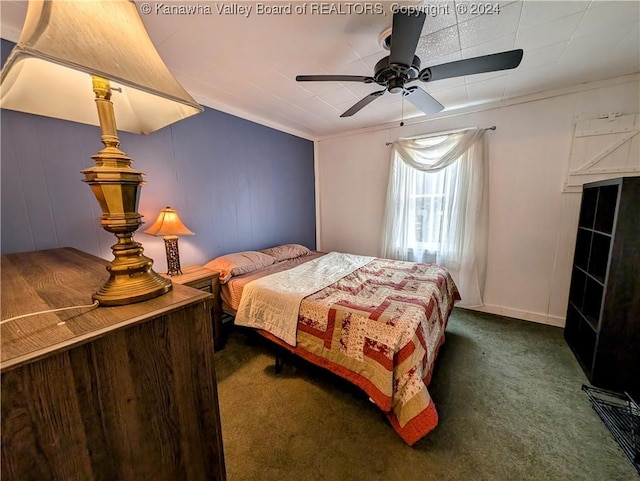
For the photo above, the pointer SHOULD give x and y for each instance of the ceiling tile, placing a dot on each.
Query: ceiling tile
(371, 61)
(318, 88)
(580, 52)
(487, 90)
(360, 89)
(482, 77)
(338, 95)
(438, 44)
(452, 57)
(446, 84)
(540, 12)
(364, 44)
(388, 98)
(357, 67)
(440, 15)
(335, 55)
(630, 46)
(549, 33)
(485, 28)
(494, 46)
(466, 11)
(597, 46)
(531, 81)
(317, 106)
(285, 87)
(534, 58)
(452, 98)
(605, 17)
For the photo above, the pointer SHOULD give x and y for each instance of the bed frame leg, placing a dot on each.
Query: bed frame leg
(278, 364)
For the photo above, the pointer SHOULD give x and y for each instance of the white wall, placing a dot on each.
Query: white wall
(532, 223)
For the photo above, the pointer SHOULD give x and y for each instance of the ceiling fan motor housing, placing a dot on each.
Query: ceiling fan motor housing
(394, 76)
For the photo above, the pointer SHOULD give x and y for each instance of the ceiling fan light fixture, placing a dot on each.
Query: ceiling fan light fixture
(396, 85)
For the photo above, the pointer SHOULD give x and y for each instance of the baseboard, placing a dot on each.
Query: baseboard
(518, 314)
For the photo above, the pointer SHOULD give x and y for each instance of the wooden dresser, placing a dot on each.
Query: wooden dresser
(110, 393)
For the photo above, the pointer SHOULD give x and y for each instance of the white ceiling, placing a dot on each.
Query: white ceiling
(247, 66)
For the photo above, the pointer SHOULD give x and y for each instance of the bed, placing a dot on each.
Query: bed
(378, 323)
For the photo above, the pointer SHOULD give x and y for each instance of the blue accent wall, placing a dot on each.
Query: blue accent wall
(237, 184)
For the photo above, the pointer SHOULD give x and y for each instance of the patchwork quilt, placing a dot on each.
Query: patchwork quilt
(380, 327)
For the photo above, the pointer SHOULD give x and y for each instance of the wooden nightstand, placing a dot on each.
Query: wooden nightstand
(206, 280)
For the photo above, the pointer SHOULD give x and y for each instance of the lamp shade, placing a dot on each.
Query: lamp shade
(168, 224)
(64, 42)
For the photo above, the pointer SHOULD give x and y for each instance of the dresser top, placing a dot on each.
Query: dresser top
(50, 279)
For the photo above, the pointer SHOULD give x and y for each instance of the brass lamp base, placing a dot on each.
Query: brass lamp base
(116, 187)
(131, 277)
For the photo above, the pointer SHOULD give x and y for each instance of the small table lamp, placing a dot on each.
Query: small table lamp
(65, 49)
(169, 226)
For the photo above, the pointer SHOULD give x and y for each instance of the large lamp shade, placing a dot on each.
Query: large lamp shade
(63, 41)
(93, 62)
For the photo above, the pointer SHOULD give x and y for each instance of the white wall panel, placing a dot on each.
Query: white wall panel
(532, 222)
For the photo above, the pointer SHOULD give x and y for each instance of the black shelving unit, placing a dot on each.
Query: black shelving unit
(603, 316)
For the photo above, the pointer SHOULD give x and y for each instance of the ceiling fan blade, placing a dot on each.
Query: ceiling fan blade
(405, 34)
(470, 66)
(363, 103)
(334, 78)
(423, 100)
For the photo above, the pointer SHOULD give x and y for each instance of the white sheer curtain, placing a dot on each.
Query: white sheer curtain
(437, 207)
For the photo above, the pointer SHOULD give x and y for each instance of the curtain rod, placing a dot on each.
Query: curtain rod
(493, 127)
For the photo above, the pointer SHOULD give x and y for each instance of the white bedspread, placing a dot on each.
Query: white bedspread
(273, 302)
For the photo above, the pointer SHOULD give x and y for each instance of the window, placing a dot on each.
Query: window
(436, 207)
(432, 205)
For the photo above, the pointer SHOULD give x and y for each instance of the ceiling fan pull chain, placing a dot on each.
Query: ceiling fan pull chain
(402, 109)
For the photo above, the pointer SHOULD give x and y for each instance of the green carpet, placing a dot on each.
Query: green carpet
(508, 394)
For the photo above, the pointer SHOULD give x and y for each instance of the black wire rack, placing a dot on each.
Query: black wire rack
(621, 415)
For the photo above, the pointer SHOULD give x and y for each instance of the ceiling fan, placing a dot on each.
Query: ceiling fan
(402, 66)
